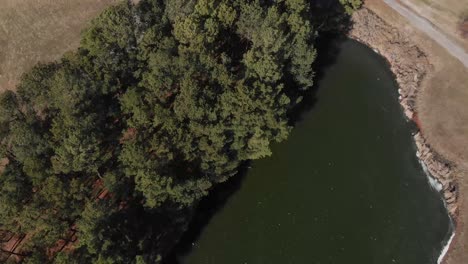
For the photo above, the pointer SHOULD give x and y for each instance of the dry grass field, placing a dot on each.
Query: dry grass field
(451, 16)
(34, 31)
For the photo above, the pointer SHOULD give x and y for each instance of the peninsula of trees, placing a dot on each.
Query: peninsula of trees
(117, 141)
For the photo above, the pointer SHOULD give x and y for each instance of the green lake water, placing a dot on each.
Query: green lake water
(345, 188)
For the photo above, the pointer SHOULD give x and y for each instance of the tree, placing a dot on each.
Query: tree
(120, 139)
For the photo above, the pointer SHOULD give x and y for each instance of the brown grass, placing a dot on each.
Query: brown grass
(34, 31)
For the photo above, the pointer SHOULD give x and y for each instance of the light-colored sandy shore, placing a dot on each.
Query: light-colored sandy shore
(434, 93)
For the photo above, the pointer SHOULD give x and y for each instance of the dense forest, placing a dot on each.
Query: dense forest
(119, 140)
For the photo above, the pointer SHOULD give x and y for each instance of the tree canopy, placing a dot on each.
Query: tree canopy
(118, 140)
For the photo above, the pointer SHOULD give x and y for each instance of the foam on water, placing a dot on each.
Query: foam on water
(436, 185)
(445, 249)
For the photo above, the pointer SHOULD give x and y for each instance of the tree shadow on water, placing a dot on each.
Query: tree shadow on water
(328, 47)
(334, 24)
(206, 209)
(328, 50)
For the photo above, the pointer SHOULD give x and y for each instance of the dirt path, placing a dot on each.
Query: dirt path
(422, 24)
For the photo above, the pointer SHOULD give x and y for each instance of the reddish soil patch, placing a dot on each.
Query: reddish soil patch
(10, 246)
(463, 27)
(417, 121)
(63, 244)
(128, 135)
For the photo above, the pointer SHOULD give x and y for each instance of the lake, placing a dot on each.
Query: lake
(346, 187)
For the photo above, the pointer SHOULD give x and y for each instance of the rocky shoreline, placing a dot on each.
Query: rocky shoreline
(410, 65)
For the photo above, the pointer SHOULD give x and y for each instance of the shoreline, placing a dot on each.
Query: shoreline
(411, 66)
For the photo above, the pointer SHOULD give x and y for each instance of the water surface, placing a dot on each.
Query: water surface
(345, 188)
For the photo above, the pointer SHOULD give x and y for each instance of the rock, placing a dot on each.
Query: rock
(408, 113)
(448, 195)
(451, 200)
(444, 182)
(453, 210)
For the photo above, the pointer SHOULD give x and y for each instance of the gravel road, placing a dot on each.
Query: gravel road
(422, 24)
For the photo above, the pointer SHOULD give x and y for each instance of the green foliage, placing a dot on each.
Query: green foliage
(120, 139)
(351, 5)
